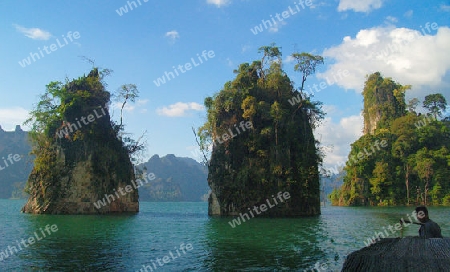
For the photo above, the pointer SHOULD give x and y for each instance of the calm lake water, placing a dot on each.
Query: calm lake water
(191, 240)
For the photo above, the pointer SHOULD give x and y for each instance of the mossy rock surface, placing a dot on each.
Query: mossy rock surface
(88, 162)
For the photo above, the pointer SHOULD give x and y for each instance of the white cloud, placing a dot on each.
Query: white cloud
(276, 27)
(245, 48)
(130, 106)
(289, 59)
(316, 4)
(230, 62)
(179, 109)
(218, 3)
(330, 109)
(10, 117)
(445, 8)
(409, 13)
(173, 35)
(360, 5)
(34, 33)
(337, 137)
(391, 19)
(406, 55)
(142, 102)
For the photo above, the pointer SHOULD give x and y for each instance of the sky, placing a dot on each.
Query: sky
(145, 42)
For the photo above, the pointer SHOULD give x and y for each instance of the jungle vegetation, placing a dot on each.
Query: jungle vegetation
(279, 152)
(414, 167)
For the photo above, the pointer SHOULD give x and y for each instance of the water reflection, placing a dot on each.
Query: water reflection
(265, 244)
(82, 243)
(126, 243)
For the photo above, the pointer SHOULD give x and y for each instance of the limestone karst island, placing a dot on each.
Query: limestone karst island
(80, 156)
(225, 135)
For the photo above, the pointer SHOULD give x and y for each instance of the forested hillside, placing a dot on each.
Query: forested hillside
(403, 158)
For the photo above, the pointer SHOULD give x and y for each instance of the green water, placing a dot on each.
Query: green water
(127, 243)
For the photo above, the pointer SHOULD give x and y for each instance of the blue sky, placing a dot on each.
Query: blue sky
(406, 40)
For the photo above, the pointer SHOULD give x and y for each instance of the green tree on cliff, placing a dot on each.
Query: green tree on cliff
(71, 129)
(384, 100)
(278, 153)
(405, 146)
(436, 104)
(413, 166)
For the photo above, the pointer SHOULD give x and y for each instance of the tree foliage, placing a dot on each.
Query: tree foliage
(413, 168)
(435, 103)
(279, 153)
(67, 125)
(384, 100)
(126, 92)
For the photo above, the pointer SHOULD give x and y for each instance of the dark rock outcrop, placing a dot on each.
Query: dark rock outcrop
(401, 254)
(263, 147)
(82, 165)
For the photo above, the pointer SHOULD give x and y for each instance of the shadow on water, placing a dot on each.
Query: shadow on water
(264, 244)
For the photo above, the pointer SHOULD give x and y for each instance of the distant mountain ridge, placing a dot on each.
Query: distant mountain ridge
(177, 179)
(14, 172)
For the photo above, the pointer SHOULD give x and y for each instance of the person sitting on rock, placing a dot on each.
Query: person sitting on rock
(428, 228)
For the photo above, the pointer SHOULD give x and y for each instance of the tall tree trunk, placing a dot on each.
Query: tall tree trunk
(276, 142)
(427, 183)
(407, 182)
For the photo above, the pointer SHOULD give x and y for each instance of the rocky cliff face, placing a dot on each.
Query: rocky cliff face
(383, 102)
(81, 166)
(264, 158)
